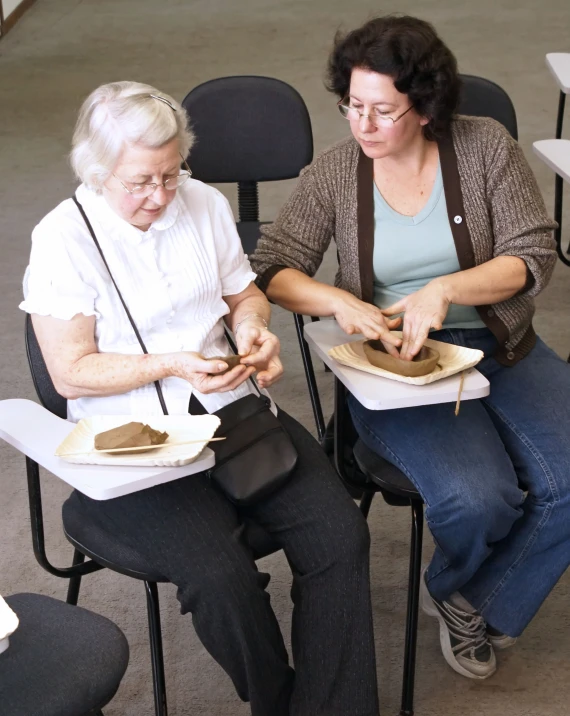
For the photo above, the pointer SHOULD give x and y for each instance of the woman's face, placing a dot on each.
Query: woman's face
(143, 165)
(374, 94)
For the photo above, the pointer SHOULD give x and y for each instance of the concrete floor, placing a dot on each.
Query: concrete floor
(58, 53)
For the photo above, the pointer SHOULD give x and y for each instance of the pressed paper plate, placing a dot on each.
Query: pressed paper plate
(180, 428)
(452, 359)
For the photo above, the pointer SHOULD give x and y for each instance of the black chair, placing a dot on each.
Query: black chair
(251, 129)
(248, 130)
(62, 660)
(483, 98)
(240, 150)
(91, 542)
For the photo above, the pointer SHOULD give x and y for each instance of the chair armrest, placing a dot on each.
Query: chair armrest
(33, 430)
(36, 432)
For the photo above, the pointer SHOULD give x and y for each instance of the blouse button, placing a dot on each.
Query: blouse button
(171, 314)
(457, 219)
(510, 355)
(490, 313)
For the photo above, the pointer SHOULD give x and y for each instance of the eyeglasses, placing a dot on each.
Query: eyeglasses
(172, 184)
(378, 119)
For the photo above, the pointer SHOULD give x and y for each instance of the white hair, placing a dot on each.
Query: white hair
(122, 113)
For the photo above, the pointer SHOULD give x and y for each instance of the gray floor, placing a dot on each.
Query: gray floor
(56, 55)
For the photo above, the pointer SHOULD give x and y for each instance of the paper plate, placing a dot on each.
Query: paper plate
(452, 359)
(180, 428)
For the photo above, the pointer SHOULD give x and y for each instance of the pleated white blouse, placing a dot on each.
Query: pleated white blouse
(173, 278)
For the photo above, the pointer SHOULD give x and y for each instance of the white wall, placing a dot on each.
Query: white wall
(8, 7)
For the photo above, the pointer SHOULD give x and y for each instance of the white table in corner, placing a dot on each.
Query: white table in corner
(559, 64)
(556, 154)
(377, 393)
(36, 433)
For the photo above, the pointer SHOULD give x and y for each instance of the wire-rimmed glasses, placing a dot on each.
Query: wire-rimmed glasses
(378, 119)
(172, 184)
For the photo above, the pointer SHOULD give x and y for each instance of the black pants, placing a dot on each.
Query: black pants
(192, 534)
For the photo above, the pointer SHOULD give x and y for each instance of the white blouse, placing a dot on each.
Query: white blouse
(173, 278)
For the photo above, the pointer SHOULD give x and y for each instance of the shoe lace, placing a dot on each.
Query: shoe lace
(469, 631)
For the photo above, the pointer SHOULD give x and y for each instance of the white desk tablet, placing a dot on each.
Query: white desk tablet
(559, 64)
(556, 154)
(36, 432)
(378, 393)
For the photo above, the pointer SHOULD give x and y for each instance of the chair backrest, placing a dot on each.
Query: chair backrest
(483, 98)
(47, 394)
(248, 128)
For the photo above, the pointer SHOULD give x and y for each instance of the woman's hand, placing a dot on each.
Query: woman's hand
(204, 374)
(424, 309)
(259, 349)
(355, 316)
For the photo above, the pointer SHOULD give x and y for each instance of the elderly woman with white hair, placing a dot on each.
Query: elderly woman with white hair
(171, 246)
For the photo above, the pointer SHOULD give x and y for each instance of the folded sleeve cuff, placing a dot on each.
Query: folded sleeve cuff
(58, 307)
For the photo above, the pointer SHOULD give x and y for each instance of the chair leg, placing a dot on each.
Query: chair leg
(558, 186)
(310, 376)
(75, 582)
(156, 655)
(407, 708)
(366, 502)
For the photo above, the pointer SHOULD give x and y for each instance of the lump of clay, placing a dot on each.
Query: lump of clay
(128, 436)
(232, 361)
(421, 364)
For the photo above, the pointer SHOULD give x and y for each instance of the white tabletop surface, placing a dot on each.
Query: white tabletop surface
(36, 432)
(377, 393)
(555, 153)
(559, 64)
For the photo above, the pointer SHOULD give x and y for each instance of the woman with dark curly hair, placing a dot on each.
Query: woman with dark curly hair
(439, 218)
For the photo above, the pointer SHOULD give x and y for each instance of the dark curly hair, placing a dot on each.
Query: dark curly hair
(410, 51)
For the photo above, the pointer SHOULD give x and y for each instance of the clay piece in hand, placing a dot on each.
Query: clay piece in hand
(422, 364)
(232, 361)
(128, 436)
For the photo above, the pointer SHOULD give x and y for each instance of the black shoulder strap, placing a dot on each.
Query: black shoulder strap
(195, 406)
(135, 329)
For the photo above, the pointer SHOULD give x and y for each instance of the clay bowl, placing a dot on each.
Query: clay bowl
(422, 364)
(232, 361)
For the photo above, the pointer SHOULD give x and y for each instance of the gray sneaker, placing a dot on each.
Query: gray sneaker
(500, 641)
(463, 636)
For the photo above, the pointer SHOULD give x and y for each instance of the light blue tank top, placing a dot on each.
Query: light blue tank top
(410, 251)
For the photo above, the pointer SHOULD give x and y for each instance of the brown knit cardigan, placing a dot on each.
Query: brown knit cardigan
(494, 208)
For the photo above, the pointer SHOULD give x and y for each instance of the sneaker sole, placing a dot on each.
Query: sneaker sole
(429, 608)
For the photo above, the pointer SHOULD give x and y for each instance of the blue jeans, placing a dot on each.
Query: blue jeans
(495, 480)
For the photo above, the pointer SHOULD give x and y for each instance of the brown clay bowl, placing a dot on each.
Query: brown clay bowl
(422, 364)
(232, 361)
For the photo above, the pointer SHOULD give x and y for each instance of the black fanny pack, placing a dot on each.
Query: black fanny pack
(257, 457)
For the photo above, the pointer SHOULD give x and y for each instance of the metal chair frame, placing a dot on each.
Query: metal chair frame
(559, 186)
(355, 472)
(79, 567)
